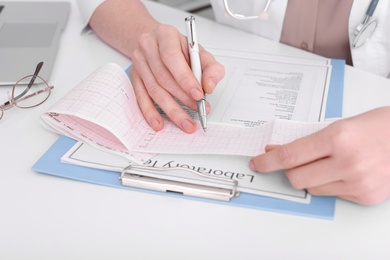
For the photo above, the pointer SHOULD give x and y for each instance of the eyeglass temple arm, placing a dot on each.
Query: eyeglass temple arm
(37, 70)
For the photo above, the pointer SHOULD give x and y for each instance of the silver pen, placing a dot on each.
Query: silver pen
(196, 66)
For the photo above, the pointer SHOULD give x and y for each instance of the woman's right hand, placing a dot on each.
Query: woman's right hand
(160, 74)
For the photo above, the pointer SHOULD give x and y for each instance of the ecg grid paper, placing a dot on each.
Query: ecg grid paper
(228, 139)
(100, 111)
(103, 111)
(285, 131)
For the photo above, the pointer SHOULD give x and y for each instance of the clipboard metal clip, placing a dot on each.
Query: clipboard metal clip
(132, 176)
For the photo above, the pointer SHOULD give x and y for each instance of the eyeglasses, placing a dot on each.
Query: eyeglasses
(263, 15)
(28, 92)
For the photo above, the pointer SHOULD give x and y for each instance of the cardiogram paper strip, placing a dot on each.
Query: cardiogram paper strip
(103, 110)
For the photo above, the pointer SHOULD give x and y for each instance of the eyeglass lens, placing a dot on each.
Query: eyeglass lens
(30, 95)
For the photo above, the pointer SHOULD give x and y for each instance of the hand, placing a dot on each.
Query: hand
(161, 72)
(350, 158)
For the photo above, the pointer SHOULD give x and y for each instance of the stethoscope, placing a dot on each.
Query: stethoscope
(362, 33)
(365, 30)
(263, 15)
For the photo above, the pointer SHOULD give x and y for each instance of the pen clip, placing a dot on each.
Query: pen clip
(191, 37)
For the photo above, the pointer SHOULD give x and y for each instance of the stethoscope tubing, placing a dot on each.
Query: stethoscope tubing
(361, 35)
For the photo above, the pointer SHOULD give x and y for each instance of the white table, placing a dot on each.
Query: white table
(45, 217)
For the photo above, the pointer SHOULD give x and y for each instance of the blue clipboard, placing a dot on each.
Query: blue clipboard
(334, 104)
(321, 207)
(49, 163)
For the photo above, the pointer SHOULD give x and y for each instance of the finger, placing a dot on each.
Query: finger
(270, 147)
(173, 51)
(213, 71)
(150, 52)
(294, 154)
(318, 173)
(361, 192)
(337, 188)
(333, 189)
(166, 102)
(145, 103)
(350, 198)
(363, 200)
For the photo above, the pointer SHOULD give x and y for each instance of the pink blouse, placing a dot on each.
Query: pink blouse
(318, 26)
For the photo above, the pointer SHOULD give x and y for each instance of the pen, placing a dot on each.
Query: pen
(195, 66)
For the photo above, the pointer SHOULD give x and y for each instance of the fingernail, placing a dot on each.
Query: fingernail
(252, 165)
(196, 94)
(155, 124)
(188, 126)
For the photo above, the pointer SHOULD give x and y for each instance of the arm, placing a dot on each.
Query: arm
(160, 62)
(120, 22)
(349, 159)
